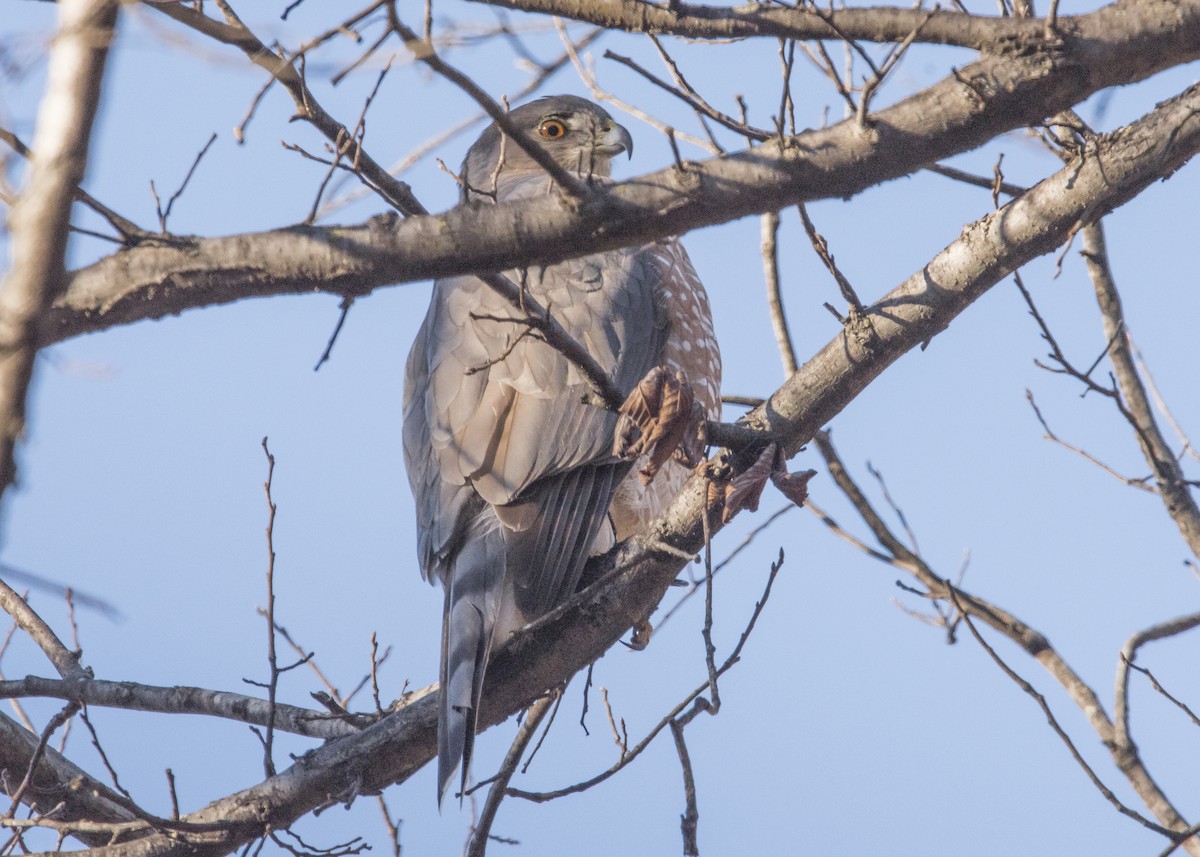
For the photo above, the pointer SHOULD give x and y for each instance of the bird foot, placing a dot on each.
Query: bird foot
(660, 417)
(640, 638)
(743, 491)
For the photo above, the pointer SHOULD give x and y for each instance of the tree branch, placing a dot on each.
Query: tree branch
(183, 700)
(638, 574)
(283, 69)
(880, 24)
(1172, 483)
(40, 218)
(996, 94)
(1038, 647)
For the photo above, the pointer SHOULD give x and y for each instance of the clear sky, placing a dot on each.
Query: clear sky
(848, 727)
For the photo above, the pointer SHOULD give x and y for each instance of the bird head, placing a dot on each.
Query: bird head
(578, 134)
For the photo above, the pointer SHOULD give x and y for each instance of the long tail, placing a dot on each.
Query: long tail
(469, 625)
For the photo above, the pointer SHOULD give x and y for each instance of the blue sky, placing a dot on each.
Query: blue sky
(849, 727)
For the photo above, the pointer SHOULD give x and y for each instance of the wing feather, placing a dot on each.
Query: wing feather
(502, 449)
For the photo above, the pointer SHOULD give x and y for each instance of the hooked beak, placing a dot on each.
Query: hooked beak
(615, 140)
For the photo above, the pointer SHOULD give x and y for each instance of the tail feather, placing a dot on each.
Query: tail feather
(473, 601)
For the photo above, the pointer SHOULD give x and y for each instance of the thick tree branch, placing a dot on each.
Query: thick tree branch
(1115, 169)
(61, 782)
(1119, 44)
(40, 218)
(183, 700)
(879, 24)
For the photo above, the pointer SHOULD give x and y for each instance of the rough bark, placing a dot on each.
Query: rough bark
(881, 24)
(1027, 81)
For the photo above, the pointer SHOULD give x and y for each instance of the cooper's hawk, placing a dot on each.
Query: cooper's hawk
(514, 475)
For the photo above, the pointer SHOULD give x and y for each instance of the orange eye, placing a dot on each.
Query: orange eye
(552, 129)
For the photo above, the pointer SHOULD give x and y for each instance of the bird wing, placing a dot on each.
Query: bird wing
(511, 468)
(494, 414)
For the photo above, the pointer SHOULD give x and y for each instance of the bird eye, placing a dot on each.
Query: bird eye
(552, 129)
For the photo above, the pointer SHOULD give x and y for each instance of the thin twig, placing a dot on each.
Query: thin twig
(710, 649)
(694, 697)
(164, 213)
(112, 772)
(690, 819)
(272, 660)
(477, 846)
(344, 307)
(1138, 482)
(63, 659)
(173, 794)
(63, 716)
(770, 256)
(822, 247)
(393, 827)
(686, 93)
(129, 231)
(978, 181)
(695, 585)
(1032, 692)
(424, 51)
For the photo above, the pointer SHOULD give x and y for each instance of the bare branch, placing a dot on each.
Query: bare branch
(355, 260)
(164, 213)
(64, 660)
(1124, 755)
(424, 51)
(1057, 727)
(283, 69)
(477, 846)
(39, 219)
(1129, 653)
(1172, 484)
(180, 700)
(770, 254)
(978, 181)
(881, 24)
(1138, 482)
(691, 815)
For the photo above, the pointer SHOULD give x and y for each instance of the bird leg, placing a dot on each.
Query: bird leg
(655, 421)
(730, 493)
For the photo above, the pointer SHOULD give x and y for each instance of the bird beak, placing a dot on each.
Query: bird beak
(615, 141)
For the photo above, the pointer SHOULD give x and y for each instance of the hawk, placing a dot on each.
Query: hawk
(513, 471)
